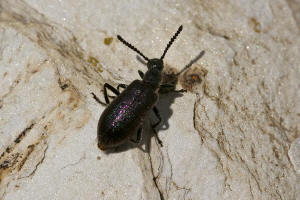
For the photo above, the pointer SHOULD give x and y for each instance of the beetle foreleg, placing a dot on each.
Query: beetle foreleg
(121, 86)
(98, 100)
(141, 74)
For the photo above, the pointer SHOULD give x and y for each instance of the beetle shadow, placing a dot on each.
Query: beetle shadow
(167, 97)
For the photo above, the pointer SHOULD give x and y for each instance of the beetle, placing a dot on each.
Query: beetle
(124, 116)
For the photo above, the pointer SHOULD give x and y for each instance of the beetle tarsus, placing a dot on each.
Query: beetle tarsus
(157, 138)
(98, 100)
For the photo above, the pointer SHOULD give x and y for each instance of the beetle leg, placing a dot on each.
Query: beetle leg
(156, 112)
(179, 91)
(141, 74)
(121, 86)
(115, 91)
(138, 136)
(166, 85)
(98, 100)
(111, 88)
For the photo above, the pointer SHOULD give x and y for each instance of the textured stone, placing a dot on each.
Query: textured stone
(294, 154)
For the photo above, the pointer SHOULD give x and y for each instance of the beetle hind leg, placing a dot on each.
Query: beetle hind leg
(138, 136)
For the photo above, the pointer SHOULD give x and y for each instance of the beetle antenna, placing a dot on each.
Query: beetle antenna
(132, 47)
(171, 41)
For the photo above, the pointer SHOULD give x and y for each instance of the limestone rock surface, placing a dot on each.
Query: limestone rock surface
(232, 135)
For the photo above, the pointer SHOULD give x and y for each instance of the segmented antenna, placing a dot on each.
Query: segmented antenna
(132, 47)
(171, 41)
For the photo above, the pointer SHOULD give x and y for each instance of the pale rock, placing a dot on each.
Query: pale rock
(294, 154)
(229, 137)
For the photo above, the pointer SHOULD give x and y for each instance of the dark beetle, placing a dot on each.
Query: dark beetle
(126, 113)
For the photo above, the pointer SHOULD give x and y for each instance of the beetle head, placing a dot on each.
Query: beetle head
(155, 63)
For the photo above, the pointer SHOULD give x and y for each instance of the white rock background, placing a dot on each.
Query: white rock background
(232, 136)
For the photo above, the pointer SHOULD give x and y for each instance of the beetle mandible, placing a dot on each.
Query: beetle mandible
(124, 116)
